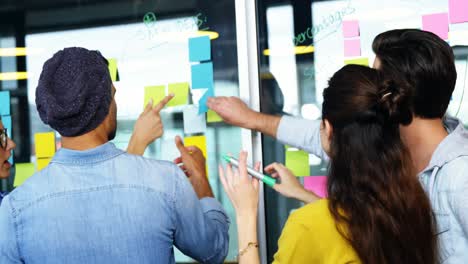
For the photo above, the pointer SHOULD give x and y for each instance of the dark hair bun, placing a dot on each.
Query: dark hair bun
(395, 102)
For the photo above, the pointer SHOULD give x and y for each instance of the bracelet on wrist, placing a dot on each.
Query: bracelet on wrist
(249, 246)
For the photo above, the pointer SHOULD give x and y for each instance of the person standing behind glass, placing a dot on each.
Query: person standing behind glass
(6, 145)
(376, 210)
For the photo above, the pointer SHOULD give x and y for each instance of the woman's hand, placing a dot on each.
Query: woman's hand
(148, 127)
(240, 188)
(289, 186)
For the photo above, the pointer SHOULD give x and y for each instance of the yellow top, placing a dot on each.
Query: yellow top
(310, 236)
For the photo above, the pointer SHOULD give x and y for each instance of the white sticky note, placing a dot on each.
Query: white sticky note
(193, 122)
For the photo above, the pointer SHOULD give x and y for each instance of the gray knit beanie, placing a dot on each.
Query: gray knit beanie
(74, 91)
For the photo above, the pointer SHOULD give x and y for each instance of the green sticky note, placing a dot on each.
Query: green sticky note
(157, 93)
(23, 172)
(113, 69)
(181, 93)
(213, 117)
(360, 61)
(298, 162)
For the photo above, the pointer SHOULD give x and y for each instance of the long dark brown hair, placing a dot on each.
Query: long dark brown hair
(375, 197)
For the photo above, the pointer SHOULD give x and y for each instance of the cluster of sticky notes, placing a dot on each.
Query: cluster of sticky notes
(458, 11)
(297, 161)
(317, 185)
(22, 172)
(437, 24)
(202, 70)
(158, 92)
(113, 71)
(5, 113)
(352, 41)
(359, 61)
(45, 148)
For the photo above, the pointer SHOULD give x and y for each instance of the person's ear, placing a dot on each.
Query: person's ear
(328, 129)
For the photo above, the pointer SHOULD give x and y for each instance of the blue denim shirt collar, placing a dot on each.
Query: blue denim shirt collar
(101, 153)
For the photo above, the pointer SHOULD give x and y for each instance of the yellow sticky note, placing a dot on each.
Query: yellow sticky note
(213, 117)
(181, 92)
(200, 142)
(360, 61)
(157, 93)
(113, 69)
(45, 144)
(42, 163)
(298, 162)
(22, 172)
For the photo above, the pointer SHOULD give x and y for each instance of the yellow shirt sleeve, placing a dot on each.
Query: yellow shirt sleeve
(310, 236)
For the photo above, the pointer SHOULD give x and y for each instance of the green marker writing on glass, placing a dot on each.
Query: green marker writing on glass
(268, 180)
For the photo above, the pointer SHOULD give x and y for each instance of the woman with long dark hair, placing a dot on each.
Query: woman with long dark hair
(376, 210)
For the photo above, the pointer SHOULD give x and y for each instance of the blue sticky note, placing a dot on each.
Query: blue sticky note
(202, 107)
(202, 75)
(10, 160)
(200, 49)
(5, 103)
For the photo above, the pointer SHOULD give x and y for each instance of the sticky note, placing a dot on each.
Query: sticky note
(5, 103)
(298, 162)
(202, 107)
(198, 141)
(45, 144)
(42, 163)
(437, 24)
(181, 92)
(458, 11)
(360, 61)
(193, 122)
(202, 75)
(352, 47)
(11, 160)
(22, 172)
(113, 69)
(199, 49)
(350, 28)
(213, 117)
(157, 93)
(316, 184)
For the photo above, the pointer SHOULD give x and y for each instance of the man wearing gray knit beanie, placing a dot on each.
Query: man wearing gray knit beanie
(95, 203)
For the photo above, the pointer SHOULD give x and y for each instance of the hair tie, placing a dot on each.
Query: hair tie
(385, 95)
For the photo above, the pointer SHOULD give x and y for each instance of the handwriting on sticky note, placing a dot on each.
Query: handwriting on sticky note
(298, 162)
(157, 93)
(437, 24)
(42, 163)
(360, 61)
(181, 94)
(316, 184)
(22, 172)
(352, 47)
(193, 122)
(44, 144)
(5, 103)
(199, 49)
(458, 11)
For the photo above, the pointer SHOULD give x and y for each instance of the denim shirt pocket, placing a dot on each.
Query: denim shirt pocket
(446, 248)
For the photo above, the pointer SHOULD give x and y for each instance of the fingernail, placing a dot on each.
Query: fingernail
(150, 101)
(172, 94)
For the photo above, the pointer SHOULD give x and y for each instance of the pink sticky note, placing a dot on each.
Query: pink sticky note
(316, 184)
(352, 47)
(458, 11)
(437, 24)
(350, 28)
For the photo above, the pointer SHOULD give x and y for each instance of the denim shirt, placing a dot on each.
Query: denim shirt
(445, 180)
(106, 206)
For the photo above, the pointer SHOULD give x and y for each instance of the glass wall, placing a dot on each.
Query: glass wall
(303, 42)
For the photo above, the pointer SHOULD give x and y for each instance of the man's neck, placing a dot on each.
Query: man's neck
(89, 140)
(422, 137)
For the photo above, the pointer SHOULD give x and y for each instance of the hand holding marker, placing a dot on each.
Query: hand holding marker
(268, 180)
